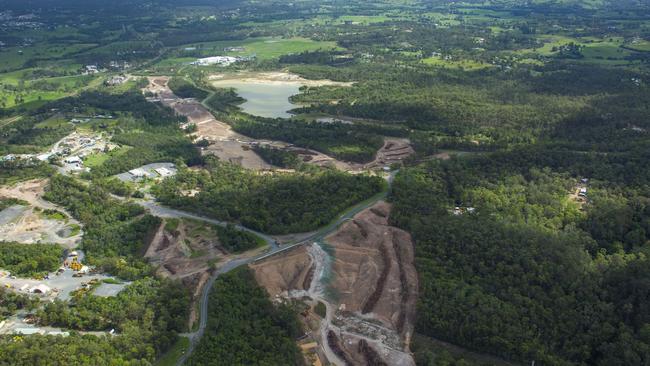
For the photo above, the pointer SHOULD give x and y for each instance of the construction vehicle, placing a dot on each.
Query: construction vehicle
(75, 265)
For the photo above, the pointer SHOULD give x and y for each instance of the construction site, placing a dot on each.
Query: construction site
(224, 142)
(35, 220)
(359, 287)
(233, 147)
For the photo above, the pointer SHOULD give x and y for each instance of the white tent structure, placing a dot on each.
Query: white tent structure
(40, 289)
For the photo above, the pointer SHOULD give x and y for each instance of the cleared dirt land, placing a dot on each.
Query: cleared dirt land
(373, 268)
(367, 281)
(374, 279)
(231, 146)
(274, 77)
(395, 150)
(283, 273)
(39, 221)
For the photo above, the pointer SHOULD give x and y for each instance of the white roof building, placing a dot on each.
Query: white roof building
(216, 60)
(73, 160)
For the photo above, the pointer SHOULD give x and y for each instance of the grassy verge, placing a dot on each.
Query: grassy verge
(178, 349)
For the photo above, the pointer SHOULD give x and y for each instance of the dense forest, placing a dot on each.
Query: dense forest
(530, 272)
(278, 157)
(235, 240)
(245, 327)
(75, 349)
(272, 203)
(149, 312)
(11, 301)
(29, 260)
(19, 170)
(185, 89)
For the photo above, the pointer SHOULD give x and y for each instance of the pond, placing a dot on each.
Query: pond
(264, 99)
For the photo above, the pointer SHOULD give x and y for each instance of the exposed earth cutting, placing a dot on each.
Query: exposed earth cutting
(365, 276)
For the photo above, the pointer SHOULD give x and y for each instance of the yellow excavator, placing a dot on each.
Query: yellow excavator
(75, 265)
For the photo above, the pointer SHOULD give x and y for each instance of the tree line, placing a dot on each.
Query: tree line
(272, 203)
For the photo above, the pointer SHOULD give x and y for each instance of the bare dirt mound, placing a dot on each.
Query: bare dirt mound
(395, 150)
(374, 268)
(374, 279)
(365, 286)
(281, 274)
(317, 158)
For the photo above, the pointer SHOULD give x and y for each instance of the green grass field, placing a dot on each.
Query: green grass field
(455, 64)
(53, 122)
(8, 100)
(594, 50)
(16, 57)
(606, 50)
(641, 46)
(262, 48)
(98, 159)
(16, 87)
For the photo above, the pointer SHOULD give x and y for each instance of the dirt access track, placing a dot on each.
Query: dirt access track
(233, 147)
(225, 143)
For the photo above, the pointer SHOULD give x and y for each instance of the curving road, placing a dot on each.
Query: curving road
(162, 211)
(159, 210)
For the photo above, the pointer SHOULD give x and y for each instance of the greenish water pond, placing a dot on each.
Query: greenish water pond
(264, 99)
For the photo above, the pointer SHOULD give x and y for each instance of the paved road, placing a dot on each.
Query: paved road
(158, 210)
